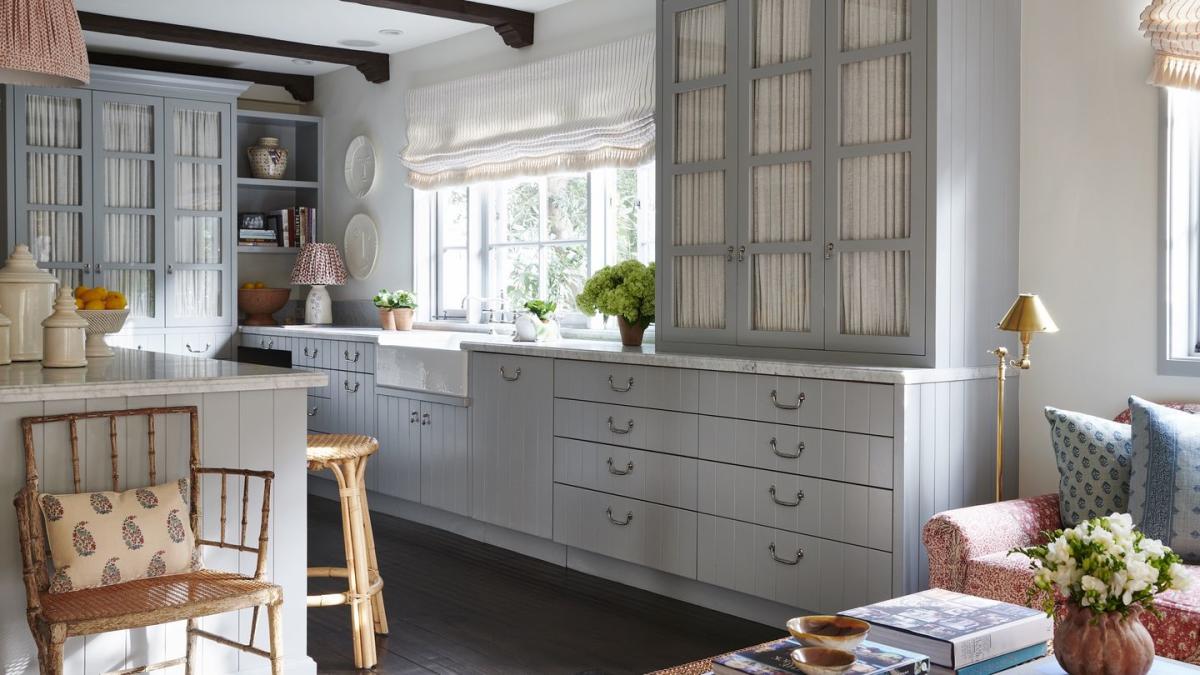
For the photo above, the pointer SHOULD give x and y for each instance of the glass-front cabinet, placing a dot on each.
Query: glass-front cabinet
(791, 150)
(131, 192)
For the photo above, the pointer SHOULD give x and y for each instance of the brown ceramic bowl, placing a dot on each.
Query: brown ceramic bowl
(832, 632)
(258, 304)
(822, 661)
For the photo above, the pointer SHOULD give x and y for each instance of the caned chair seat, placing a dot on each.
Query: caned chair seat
(149, 602)
(324, 449)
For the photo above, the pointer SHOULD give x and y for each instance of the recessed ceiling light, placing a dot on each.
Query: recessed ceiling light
(302, 62)
(358, 43)
(391, 31)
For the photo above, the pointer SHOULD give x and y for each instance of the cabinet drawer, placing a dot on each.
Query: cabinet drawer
(319, 415)
(649, 476)
(310, 353)
(141, 342)
(353, 398)
(354, 357)
(797, 570)
(210, 345)
(859, 407)
(643, 428)
(844, 512)
(645, 386)
(266, 341)
(627, 529)
(836, 455)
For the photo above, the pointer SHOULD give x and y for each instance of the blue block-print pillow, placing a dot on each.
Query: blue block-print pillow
(1165, 484)
(1093, 456)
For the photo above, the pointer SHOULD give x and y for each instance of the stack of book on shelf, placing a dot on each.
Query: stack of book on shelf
(960, 633)
(289, 228)
(775, 658)
(253, 230)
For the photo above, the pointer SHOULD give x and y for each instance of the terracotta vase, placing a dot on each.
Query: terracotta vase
(1108, 644)
(387, 318)
(631, 333)
(403, 317)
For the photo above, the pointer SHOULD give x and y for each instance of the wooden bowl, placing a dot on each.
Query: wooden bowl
(822, 661)
(832, 632)
(258, 304)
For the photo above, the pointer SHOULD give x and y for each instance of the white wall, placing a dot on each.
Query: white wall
(1089, 217)
(352, 106)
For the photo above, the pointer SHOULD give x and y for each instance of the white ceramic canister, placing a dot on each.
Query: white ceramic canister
(65, 335)
(27, 296)
(5, 340)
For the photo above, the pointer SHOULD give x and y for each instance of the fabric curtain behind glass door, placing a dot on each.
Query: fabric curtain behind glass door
(197, 134)
(129, 184)
(54, 180)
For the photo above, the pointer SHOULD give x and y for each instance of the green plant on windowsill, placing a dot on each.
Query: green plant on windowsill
(542, 309)
(403, 300)
(383, 299)
(626, 291)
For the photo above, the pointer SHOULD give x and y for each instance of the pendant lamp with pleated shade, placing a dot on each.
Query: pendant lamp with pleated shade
(41, 44)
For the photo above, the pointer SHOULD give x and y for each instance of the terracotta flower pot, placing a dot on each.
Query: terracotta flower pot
(387, 318)
(403, 317)
(1108, 644)
(631, 333)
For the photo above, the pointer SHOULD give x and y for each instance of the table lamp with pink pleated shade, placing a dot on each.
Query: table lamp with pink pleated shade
(42, 45)
(319, 265)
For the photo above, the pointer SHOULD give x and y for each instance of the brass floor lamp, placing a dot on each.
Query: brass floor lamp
(1026, 316)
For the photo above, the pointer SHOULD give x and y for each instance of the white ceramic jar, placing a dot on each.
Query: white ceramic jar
(64, 335)
(27, 297)
(5, 340)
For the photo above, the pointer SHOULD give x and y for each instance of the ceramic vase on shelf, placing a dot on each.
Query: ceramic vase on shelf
(631, 333)
(1105, 644)
(403, 316)
(27, 296)
(64, 335)
(267, 158)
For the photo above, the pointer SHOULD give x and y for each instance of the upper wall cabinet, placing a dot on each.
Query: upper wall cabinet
(794, 143)
(128, 186)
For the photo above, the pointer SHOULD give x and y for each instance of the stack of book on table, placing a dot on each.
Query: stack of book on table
(775, 658)
(959, 633)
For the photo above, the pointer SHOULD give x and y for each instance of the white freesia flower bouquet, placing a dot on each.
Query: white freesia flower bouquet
(1105, 565)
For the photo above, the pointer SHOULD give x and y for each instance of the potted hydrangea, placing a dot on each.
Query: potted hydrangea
(626, 291)
(383, 303)
(1108, 573)
(403, 305)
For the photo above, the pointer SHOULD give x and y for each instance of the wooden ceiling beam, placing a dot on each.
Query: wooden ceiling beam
(373, 65)
(301, 87)
(515, 26)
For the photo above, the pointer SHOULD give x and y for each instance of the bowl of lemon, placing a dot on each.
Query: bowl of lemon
(105, 311)
(260, 303)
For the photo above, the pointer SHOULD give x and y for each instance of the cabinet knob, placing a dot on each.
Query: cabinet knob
(829, 251)
(729, 254)
(346, 386)
(312, 412)
(426, 420)
(413, 417)
(170, 269)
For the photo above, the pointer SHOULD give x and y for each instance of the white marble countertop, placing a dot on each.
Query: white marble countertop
(131, 372)
(608, 351)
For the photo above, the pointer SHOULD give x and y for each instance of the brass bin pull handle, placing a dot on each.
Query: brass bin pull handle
(785, 561)
(787, 406)
(619, 523)
(613, 385)
(775, 497)
(620, 472)
(618, 430)
(515, 376)
(779, 453)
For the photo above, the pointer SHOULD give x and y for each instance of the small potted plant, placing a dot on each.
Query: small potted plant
(626, 291)
(383, 302)
(1108, 573)
(537, 323)
(403, 304)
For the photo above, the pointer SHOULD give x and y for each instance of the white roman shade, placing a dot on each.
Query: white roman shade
(1173, 27)
(576, 112)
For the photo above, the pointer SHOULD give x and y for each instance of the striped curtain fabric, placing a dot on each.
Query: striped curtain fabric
(1173, 28)
(577, 112)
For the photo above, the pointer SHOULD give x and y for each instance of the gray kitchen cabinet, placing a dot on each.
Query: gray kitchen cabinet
(399, 459)
(816, 170)
(445, 457)
(512, 448)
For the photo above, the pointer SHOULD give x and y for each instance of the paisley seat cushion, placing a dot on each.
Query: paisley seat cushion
(105, 538)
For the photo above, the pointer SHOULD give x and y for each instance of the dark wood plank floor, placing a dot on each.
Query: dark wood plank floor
(459, 606)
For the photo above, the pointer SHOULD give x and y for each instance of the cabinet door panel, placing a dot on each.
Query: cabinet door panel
(512, 453)
(445, 457)
(399, 433)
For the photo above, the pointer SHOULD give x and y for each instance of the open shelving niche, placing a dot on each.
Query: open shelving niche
(302, 136)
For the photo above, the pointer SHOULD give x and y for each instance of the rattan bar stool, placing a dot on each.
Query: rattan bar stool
(346, 456)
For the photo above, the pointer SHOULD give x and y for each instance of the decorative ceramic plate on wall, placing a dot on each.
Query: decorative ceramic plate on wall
(360, 166)
(361, 246)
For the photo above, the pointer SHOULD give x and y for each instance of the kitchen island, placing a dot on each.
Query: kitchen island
(251, 417)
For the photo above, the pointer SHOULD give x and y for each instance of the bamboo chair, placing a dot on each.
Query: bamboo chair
(53, 617)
